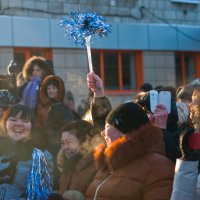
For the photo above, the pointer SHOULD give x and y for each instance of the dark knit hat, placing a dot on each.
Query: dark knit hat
(127, 117)
(145, 87)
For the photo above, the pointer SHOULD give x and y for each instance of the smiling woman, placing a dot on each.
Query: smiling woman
(16, 146)
(75, 158)
(17, 121)
(18, 128)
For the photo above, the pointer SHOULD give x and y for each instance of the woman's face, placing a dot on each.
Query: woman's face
(37, 71)
(70, 144)
(18, 128)
(110, 134)
(52, 91)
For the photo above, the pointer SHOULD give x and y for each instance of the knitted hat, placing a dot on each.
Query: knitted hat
(127, 117)
(146, 87)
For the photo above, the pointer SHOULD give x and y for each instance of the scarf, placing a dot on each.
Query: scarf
(29, 96)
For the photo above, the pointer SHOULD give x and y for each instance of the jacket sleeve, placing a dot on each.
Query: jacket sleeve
(100, 107)
(185, 180)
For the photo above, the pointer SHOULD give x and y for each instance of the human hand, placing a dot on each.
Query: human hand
(94, 82)
(160, 116)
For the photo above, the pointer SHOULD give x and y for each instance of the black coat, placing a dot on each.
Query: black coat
(58, 116)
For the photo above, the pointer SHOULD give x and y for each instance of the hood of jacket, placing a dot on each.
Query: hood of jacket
(130, 147)
(44, 99)
(36, 60)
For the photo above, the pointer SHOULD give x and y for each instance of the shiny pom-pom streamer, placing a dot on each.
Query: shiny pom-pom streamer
(80, 25)
(39, 181)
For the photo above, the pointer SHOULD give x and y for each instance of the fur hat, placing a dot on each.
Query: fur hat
(36, 60)
(183, 113)
(127, 117)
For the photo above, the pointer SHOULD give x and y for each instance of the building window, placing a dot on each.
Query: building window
(21, 55)
(121, 71)
(187, 67)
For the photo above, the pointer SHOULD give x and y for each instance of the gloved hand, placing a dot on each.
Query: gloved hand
(188, 153)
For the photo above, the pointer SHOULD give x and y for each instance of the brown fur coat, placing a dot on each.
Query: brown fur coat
(133, 167)
(44, 102)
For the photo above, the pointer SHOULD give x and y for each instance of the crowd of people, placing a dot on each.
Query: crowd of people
(96, 151)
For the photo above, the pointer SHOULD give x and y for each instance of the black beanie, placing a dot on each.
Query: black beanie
(127, 117)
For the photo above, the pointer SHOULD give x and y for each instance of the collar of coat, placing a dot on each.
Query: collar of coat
(130, 147)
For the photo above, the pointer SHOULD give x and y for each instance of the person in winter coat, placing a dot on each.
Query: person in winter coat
(51, 91)
(34, 71)
(169, 129)
(133, 164)
(187, 181)
(100, 105)
(51, 114)
(16, 146)
(75, 158)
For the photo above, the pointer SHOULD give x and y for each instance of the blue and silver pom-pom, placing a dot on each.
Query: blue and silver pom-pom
(81, 25)
(39, 181)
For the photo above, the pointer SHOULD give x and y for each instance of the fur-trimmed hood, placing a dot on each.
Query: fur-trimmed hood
(36, 60)
(43, 89)
(130, 147)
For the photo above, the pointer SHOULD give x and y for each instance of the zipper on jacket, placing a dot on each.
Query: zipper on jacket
(98, 187)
